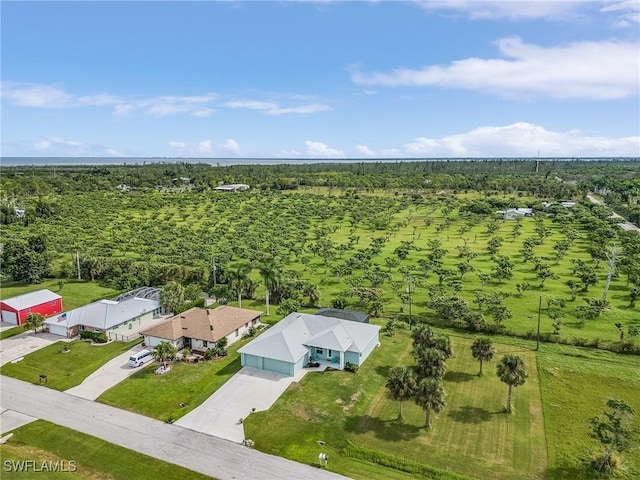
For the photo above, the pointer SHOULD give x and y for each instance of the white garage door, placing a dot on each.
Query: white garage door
(9, 317)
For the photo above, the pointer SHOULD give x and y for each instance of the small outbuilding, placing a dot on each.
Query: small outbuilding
(300, 338)
(16, 309)
(232, 187)
(512, 213)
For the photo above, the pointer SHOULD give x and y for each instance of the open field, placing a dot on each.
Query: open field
(472, 436)
(576, 384)
(65, 369)
(160, 396)
(95, 459)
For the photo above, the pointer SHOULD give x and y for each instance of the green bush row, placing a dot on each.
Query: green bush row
(97, 337)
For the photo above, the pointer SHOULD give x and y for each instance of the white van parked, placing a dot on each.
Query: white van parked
(140, 358)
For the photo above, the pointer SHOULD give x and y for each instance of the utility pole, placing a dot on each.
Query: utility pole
(213, 268)
(78, 264)
(409, 299)
(538, 336)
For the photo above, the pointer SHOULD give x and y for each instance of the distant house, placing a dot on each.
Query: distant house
(233, 187)
(20, 212)
(300, 338)
(512, 213)
(123, 187)
(344, 314)
(568, 204)
(201, 328)
(119, 316)
(16, 309)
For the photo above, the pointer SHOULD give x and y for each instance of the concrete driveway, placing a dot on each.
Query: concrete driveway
(108, 375)
(250, 388)
(15, 347)
(202, 453)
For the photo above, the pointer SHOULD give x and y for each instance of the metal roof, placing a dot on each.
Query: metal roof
(31, 299)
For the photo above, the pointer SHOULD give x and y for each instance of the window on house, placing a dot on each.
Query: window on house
(205, 344)
(28, 310)
(319, 351)
(237, 332)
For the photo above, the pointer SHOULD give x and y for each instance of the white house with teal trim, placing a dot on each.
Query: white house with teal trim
(300, 338)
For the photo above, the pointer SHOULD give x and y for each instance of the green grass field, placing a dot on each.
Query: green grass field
(65, 369)
(576, 384)
(160, 396)
(95, 459)
(545, 438)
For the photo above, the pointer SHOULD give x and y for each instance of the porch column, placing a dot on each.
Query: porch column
(341, 360)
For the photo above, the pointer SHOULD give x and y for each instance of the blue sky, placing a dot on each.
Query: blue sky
(323, 79)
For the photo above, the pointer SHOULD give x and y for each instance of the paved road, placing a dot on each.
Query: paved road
(107, 376)
(248, 389)
(196, 451)
(623, 223)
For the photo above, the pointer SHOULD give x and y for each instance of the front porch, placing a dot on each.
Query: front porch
(326, 357)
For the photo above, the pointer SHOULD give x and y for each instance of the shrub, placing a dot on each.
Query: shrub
(97, 337)
(351, 367)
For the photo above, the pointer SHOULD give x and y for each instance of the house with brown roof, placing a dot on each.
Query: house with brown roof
(201, 328)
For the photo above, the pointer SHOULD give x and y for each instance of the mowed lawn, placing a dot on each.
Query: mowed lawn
(576, 384)
(472, 436)
(65, 370)
(94, 458)
(160, 396)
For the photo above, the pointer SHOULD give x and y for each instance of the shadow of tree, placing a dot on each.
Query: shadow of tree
(571, 472)
(383, 370)
(391, 430)
(468, 414)
(459, 377)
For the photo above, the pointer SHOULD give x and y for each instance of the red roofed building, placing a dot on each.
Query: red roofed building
(15, 309)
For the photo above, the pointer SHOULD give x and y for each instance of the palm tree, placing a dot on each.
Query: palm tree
(431, 363)
(270, 279)
(429, 394)
(164, 351)
(238, 279)
(34, 320)
(401, 384)
(483, 351)
(512, 371)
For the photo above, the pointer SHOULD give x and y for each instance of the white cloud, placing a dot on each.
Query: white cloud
(178, 145)
(57, 146)
(231, 146)
(206, 146)
(364, 150)
(522, 140)
(509, 9)
(319, 149)
(273, 108)
(627, 11)
(48, 96)
(586, 70)
(288, 153)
